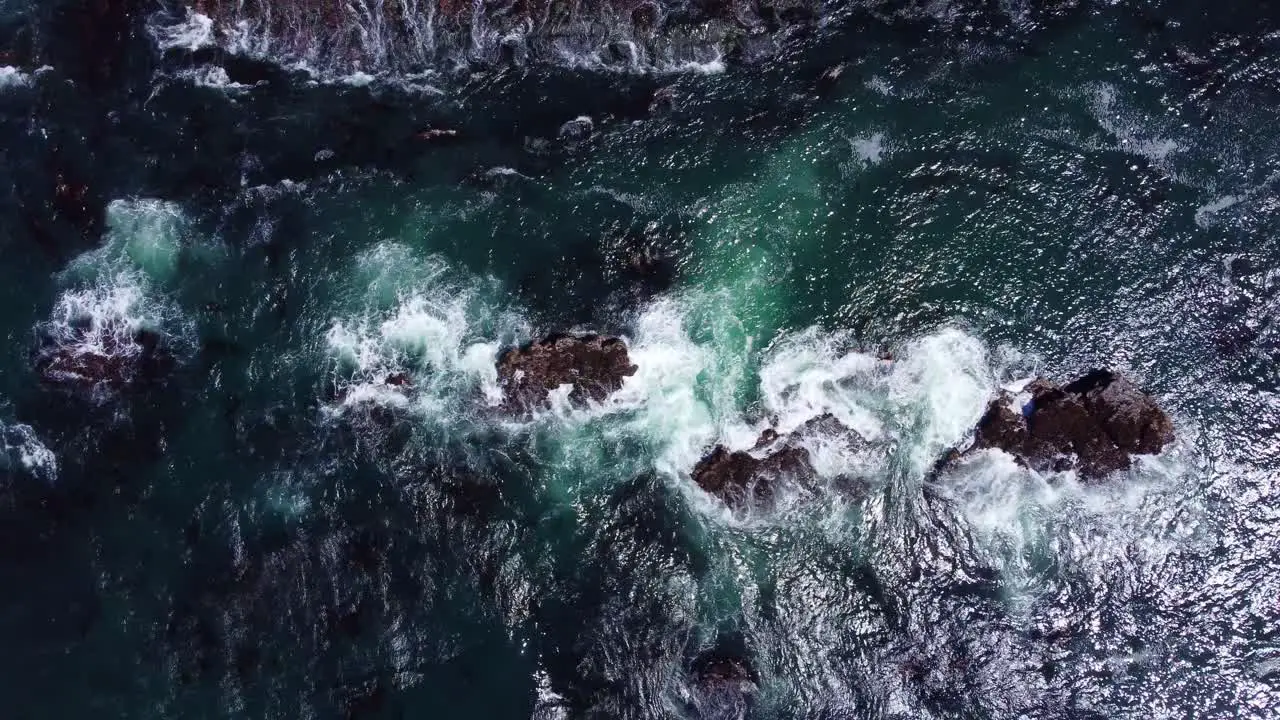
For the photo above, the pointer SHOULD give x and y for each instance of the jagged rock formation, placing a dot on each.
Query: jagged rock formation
(1094, 424)
(594, 365)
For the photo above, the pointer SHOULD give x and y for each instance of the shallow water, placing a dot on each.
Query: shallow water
(274, 530)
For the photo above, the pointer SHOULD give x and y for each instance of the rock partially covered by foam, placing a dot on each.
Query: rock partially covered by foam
(593, 365)
(83, 358)
(744, 478)
(1093, 424)
(373, 36)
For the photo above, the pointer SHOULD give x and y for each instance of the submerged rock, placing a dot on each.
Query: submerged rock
(82, 360)
(577, 129)
(1093, 424)
(595, 366)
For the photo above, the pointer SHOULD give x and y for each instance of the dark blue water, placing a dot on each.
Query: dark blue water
(769, 197)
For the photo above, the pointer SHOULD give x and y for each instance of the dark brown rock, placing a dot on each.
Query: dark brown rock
(712, 669)
(1130, 417)
(741, 479)
(725, 686)
(1094, 424)
(594, 365)
(745, 478)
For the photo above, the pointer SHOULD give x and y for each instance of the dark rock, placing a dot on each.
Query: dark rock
(1093, 424)
(744, 478)
(663, 101)
(646, 16)
(766, 438)
(741, 479)
(720, 669)
(1130, 417)
(594, 365)
(620, 52)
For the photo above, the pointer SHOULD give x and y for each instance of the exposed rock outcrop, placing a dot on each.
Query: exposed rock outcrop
(595, 367)
(1093, 424)
(743, 478)
(413, 35)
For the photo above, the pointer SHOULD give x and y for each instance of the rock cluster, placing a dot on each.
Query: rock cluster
(1094, 424)
(595, 366)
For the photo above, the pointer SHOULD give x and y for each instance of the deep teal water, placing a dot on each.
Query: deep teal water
(983, 198)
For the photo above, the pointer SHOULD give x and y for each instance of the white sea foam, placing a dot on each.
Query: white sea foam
(420, 338)
(143, 235)
(114, 293)
(1132, 132)
(11, 77)
(211, 76)
(91, 339)
(193, 32)
(686, 396)
(941, 385)
(869, 149)
(21, 447)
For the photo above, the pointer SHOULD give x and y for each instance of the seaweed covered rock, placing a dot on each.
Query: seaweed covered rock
(595, 366)
(1093, 424)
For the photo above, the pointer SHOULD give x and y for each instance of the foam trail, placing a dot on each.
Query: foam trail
(942, 384)
(11, 77)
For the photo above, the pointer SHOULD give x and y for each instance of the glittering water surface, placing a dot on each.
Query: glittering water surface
(311, 504)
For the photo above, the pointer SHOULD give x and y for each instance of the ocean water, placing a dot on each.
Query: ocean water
(266, 528)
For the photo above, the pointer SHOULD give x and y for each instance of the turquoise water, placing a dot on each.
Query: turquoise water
(274, 531)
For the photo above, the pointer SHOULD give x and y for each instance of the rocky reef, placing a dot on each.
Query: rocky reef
(1094, 424)
(595, 366)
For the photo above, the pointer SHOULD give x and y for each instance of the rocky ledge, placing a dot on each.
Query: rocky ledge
(595, 366)
(1094, 425)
